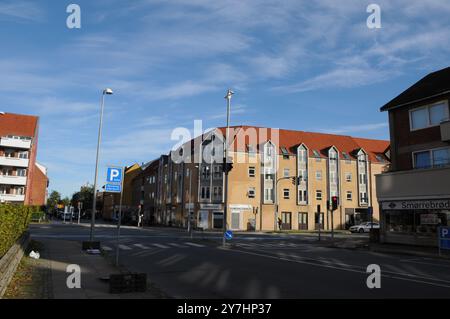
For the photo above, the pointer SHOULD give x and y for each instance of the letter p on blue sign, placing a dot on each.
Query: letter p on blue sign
(114, 175)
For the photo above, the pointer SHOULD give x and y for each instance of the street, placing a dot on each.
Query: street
(258, 265)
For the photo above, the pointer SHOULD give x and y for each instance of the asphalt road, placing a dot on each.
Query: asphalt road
(260, 266)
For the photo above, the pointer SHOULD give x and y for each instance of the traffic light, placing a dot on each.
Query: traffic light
(334, 202)
(294, 180)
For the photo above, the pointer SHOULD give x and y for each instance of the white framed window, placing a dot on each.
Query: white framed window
(286, 193)
(251, 192)
(303, 196)
(428, 116)
(286, 172)
(251, 171)
(348, 177)
(349, 195)
(205, 192)
(21, 172)
(318, 195)
(438, 157)
(319, 175)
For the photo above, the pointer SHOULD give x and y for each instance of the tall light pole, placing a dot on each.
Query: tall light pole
(225, 158)
(94, 201)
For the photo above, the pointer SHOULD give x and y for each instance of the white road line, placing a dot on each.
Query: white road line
(141, 246)
(123, 247)
(160, 246)
(194, 245)
(177, 245)
(106, 248)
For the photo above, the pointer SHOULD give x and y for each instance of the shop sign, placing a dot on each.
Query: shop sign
(211, 206)
(241, 207)
(417, 204)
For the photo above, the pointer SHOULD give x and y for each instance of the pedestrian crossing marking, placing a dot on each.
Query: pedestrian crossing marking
(160, 246)
(177, 245)
(194, 245)
(106, 248)
(141, 246)
(123, 247)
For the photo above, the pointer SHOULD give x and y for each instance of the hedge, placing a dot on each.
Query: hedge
(14, 220)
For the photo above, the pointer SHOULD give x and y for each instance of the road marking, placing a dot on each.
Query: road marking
(106, 248)
(160, 246)
(141, 246)
(177, 245)
(330, 266)
(123, 247)
(194, 245)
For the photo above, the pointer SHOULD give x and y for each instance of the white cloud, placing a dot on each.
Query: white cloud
(355, 128)
(21, 10)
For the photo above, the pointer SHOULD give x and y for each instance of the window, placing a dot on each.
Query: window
(346, 157)
(218, 172)
(286, 172)
(432, 158)
(286, 193)
(251, 150)
(349, 195)
(204, 192)
(21, 172)
(363, 198)
(318, 195)
(268, 194)
(319, 175)
(430, 115)
(217, 191)
(348, 177)
(285, 152)
(251, 171)
(380, 158)
(251, 192)
(303, 196)
(23, 155)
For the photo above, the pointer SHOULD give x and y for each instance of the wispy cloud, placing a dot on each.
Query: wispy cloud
(21, 10)
(350, 129)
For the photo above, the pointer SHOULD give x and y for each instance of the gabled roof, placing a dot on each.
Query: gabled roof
(432, 85)
(18, 124)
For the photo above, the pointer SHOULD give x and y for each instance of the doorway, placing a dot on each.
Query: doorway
(286, 221)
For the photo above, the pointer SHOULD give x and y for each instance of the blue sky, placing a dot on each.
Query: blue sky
(305, 65)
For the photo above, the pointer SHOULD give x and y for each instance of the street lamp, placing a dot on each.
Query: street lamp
(225, 158)
(106, 91)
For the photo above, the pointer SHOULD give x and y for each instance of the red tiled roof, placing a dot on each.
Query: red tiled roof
(319, 142)
(17, 124)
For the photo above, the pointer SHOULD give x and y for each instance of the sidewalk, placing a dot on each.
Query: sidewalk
(59, 254)
(431, 252)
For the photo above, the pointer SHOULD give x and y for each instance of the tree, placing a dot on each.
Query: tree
(85, 195)
(53, 200)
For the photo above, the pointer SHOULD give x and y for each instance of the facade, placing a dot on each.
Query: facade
(18, 150)
(293, 171)
(39, 185)
(144, 192)
(415, 194)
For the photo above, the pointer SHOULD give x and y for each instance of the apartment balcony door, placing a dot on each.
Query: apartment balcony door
(286, 221)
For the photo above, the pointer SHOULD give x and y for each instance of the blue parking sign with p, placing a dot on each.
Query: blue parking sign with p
(114, 175)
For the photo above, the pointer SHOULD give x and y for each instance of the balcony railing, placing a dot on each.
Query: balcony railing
(445, 131)
(13, 180)
(11, 198)
(13, 161)
(15, 143)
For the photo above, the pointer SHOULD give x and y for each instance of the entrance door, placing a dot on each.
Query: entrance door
(235, 220)
(203, 219)
(286, 221)
(217, 220)
(303, 221)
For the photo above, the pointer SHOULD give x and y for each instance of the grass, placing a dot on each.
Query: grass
(31, 278)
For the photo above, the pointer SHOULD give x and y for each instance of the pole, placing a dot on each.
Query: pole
(319, 218)
(120, 220)
(94, 202)
(228, 97)
(190, 201)
(79, 212)
(332, 223)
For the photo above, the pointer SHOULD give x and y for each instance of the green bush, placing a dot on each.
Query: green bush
(14, 220)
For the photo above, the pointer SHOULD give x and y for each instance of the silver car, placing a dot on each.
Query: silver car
(364, 227)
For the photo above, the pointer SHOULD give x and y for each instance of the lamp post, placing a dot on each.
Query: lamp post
(190, 201)
(225, 157)
(94, 202)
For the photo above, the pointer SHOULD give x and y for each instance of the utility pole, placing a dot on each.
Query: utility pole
(225, 158)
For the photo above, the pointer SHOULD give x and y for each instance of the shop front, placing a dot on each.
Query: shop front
(210, 216)
(414, 222)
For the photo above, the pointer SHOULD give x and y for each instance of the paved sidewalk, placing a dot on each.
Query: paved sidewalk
(60, 254)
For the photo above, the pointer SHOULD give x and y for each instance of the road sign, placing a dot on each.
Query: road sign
(444, 237)
(113, 188)
(228, 234)
(114, 175)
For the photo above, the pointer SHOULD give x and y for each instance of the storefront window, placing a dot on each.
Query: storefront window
(419, 222)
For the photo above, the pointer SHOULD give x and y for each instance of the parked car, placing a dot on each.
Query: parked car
(364, 227)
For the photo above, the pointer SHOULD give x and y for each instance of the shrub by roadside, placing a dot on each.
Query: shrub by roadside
(14, 220)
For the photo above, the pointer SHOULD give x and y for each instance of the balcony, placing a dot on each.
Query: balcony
(430, 183)
(14, 161)
(11, 198)
(445, 131)
(13, 180)
(15, 143)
